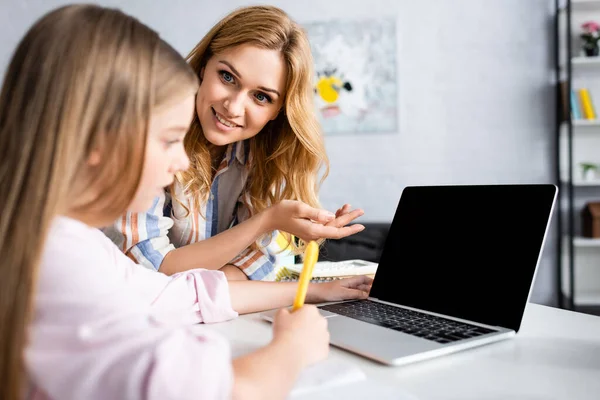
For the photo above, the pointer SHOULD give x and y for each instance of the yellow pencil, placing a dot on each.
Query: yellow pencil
(311, 256)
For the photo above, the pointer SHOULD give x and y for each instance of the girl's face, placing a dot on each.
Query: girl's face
(242, 89)
(165, 154)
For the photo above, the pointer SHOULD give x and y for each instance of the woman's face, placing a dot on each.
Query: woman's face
(242, 89)
(165, 154)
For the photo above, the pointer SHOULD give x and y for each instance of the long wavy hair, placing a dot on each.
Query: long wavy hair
(83, 79)
(288, 154)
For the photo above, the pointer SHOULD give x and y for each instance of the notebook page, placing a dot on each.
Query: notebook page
(339, 268)
(326, 374)
(363, 390)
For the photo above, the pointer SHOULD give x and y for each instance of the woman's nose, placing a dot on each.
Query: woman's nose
(234, 105)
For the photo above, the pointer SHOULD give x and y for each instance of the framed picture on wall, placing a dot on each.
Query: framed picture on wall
(355, 74)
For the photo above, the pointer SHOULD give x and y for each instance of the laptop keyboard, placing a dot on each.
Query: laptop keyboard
(414, 323)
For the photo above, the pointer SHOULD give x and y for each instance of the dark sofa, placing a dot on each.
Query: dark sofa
(365, 245)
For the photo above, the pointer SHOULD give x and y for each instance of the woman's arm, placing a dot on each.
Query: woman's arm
(290, 216)
(143, 237)
(215, 252)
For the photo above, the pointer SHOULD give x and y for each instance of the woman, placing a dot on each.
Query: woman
(255, 151)
(93, 111)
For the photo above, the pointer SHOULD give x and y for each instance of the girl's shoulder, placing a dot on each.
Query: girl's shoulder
(75, 255)
(69, 238)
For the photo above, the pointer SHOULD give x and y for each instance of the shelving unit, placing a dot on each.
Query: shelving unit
(579, 241)
(577, 141)
(583, 123)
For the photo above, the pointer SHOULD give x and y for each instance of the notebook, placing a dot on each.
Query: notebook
(329, 270)
(326, 374)
(333, 379)
(365, 389)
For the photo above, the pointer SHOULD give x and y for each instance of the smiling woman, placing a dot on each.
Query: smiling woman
(233, 107)
(257, 159)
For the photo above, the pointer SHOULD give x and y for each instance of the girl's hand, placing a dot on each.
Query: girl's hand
(308, 223)
(357, 287)
(303, 333)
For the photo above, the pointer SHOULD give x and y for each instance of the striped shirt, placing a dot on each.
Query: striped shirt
(148, 237)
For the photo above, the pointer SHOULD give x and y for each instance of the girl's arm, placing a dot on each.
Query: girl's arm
(290, 216)
(254, 296)
(95, 338)
(193, 294)
(299, 339)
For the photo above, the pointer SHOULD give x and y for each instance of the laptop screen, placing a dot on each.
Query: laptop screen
(466, 251)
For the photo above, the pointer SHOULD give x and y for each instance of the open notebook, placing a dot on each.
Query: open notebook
(329, 270)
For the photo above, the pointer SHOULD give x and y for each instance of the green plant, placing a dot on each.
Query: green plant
(588, 167)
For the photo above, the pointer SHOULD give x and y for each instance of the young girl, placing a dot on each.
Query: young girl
(255, 151)
(93, 111)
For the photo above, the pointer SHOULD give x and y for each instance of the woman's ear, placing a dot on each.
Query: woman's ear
(202, 74)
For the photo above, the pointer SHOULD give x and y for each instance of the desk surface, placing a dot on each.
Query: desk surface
(555, 355)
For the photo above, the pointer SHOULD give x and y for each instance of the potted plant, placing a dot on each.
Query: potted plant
(588, 171)
(590, 37)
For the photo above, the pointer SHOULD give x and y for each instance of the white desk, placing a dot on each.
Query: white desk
(556, 355)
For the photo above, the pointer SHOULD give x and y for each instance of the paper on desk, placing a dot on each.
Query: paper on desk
(364, 390)
(335, 380)
(326, 374)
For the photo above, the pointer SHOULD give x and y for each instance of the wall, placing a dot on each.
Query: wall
(475, 101)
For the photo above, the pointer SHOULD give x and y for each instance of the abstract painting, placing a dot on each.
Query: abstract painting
(355, 74)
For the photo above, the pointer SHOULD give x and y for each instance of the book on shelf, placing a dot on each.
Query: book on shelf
(582, 105)
(586, 103)
(575, 106)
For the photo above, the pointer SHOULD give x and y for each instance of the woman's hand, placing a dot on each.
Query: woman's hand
(344, 215)
(308, 223)
(357, 287)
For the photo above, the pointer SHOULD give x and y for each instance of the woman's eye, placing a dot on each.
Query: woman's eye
(263, 98)
(169, 143)
(227, 77)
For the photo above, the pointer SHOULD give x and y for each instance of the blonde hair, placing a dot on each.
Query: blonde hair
(289, 152)
(83, 79)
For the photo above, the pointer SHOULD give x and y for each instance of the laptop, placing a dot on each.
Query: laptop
(456, 272)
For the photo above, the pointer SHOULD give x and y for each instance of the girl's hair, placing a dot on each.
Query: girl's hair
(288, 153)
(84, 80)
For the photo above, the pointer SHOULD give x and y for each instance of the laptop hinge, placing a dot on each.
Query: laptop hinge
(437, 314)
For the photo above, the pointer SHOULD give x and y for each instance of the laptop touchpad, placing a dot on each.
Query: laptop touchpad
(381, 342)
(328, 314)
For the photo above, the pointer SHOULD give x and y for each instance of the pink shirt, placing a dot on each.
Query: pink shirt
(106, 328)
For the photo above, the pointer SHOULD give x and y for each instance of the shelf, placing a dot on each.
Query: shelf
(578, 272)
(584, 125)
(586, 242)
(581, 183)
(586, 122)
(587, 183)
(587, 299)
(585, 60)
(583, 5)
